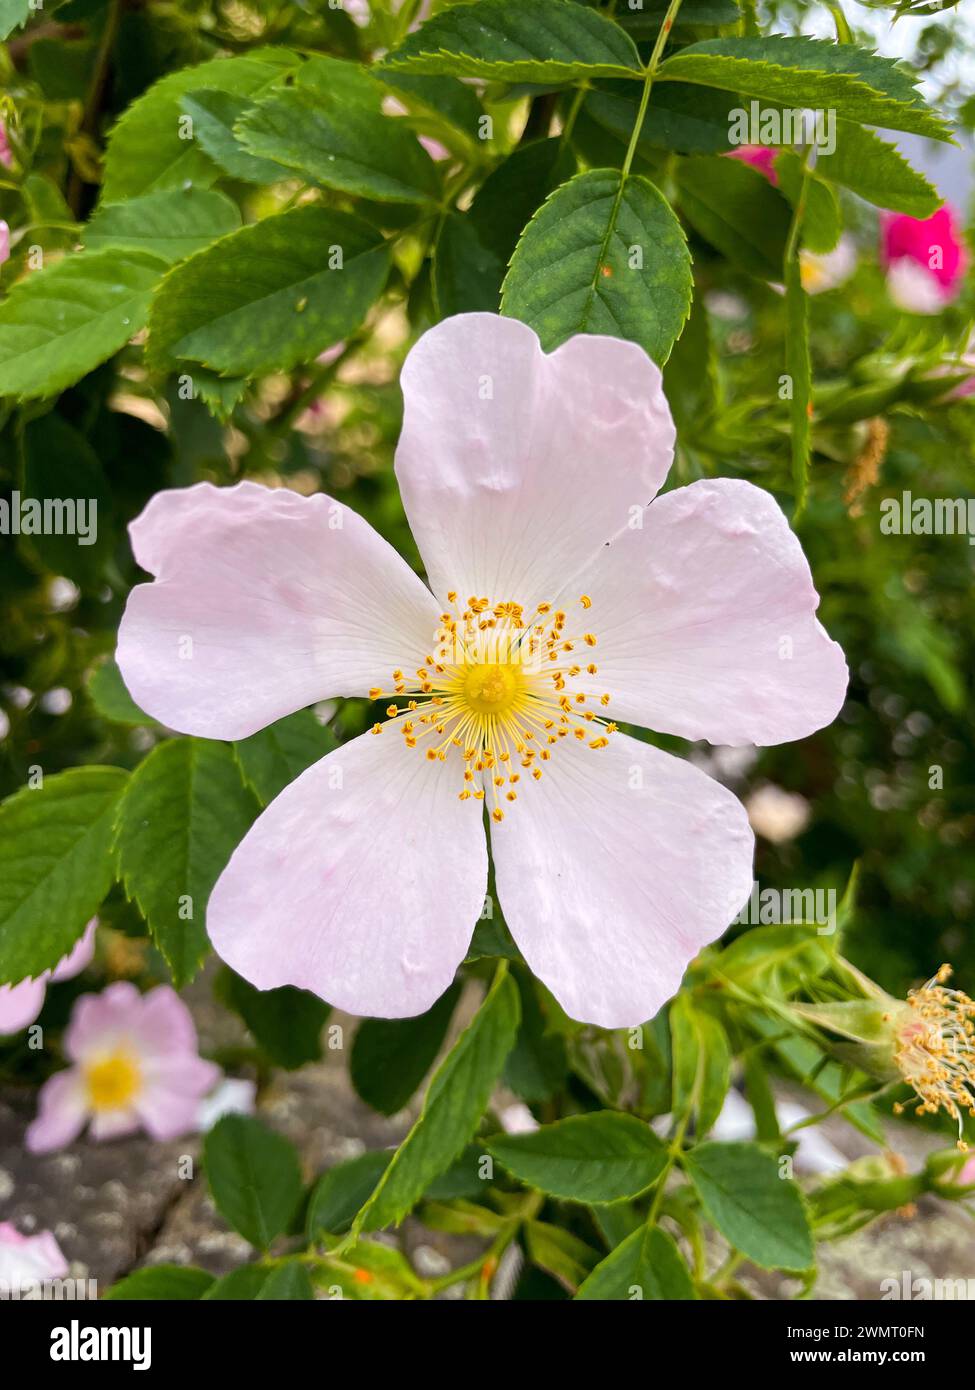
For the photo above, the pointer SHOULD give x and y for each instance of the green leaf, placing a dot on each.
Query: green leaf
(55, 865)
(877, 171)
(345, 146)
(271, 296)
(547, 41)
(757, 1211)
(371, 1271)
(680, 117)
(164, 1282)
(341, 1191)
(803, 72)
(600, 1157)
(171, 225)
(444, 97)
(214, 115)
(275, 756)
(111, 699)
(736, 209)
(559, 1253)
(701, 1063)
(821, 219)
(13, 14)
(602, 256)
(286, 1022)
(537, 1066)
(152, 146)
(62, 470)
(647, 1264)
(466, 275)
(254, 1177)
(391, 1056)
(184, 813)
(57, 325)
(454, 1103)
(240, 1284)
(289, 1282)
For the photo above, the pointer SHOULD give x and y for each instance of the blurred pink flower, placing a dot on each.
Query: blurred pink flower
(760, 157)
(134, 1065)
(27, 1259)
(6, 153)
(4, 242)
(21, 1003)
(525, 477)
(925, 259)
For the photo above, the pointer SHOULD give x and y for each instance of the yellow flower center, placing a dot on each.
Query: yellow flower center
(504, 690)
(492, 688)
(112, 1081)
(935, 1048)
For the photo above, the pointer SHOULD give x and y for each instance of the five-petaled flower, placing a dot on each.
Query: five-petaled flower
(134, 1065)
(561, 603)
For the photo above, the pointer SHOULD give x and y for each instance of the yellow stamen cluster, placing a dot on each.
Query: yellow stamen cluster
(112, 1081)
(502, 688)
(935, 1051)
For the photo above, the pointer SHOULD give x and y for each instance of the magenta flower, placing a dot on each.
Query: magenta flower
(21, 1003)
(4, 242)
(925, 259)
(134, 1066)
(6, 153)
(561, 604)
(25, 1260)
(760, 157)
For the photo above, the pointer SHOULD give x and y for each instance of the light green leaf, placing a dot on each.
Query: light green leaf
(803, 72)
(701, 1063)
(547, 41)
(55, 865)
(877, 171)
(286, 1022)
(454, 1103)
(600, 1157)
(271, 296)
(13, 15)
(601, 256)
(275, 756)
(171, 224)
(167, 1283)
(561, 1254)
(254, 1177)
(391, 1056)
(736, 209)
(758, 1211)
(153, 147)
(646, 1265)
(57, 325)
(340, 145)
(184, 813)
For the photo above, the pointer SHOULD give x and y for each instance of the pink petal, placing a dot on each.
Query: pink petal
(284, 599)
(29, 1258)
(614, 870)
(79, 957)
(61, 1113)
(169, 1104)
(164, 1028)
(99, 1021)
(113, 1124)
(706, 621)
(20, 1004)
(514, 466)
(361, 882)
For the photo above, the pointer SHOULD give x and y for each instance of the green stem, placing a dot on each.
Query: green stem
(651, 72)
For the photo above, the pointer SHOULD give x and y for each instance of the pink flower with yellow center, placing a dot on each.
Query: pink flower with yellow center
(562, 601)
(134, 1065)
(20, 1004)
(925, 259)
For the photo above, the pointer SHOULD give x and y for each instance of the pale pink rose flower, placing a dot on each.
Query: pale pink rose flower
(134, 1065)
(925, 259)
(4, 242)
(760, 157)
(526, 479)
(28, 1259)
(21, 1003)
